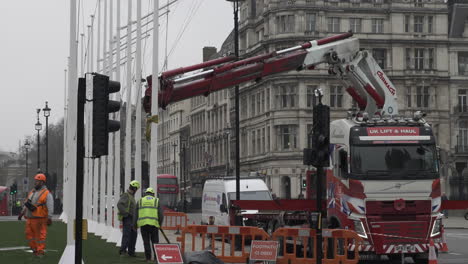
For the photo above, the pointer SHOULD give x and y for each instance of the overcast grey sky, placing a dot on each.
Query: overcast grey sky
(34, 49)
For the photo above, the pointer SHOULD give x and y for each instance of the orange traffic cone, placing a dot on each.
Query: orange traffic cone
(444, 248)
(432, 253)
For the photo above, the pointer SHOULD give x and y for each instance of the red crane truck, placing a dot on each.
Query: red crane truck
(383, 180)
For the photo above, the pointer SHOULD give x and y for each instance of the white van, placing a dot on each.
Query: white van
(218, 193)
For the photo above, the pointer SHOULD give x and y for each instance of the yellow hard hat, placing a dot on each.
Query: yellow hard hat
(135, 184)
(150, 190)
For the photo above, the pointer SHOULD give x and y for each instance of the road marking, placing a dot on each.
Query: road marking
(456, 254)
(12, 248)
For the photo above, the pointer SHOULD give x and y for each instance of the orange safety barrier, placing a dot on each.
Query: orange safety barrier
(298, 245)
(174, 221)
(219, 236)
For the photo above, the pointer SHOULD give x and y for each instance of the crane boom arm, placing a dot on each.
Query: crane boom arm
(357, 70)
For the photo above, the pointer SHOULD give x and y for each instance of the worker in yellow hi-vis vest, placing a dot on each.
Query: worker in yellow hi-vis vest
(149, 219)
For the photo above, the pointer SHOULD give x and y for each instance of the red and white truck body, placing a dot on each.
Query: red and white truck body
(384, 183)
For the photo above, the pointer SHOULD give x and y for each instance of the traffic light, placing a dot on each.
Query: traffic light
(102, 106)
(13, 189)
(321, 136)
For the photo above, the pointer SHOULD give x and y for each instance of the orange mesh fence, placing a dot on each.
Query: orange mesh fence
(298, 245)
(174, 221)
(228, 243)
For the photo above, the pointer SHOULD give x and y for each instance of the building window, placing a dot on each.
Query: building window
(267, 139)
(267, 91)
(462, 138)
(310, 22)
(252, 106)
(430, 61)
(408, 97)
(418, 24)
(430, 21)
(355, 24)
(377, 25)
(286, 96)
(422, 96)
(380, 56)
(263, 140)
(463, 63)
(418, 3)
(243, 106)
(462, 105)
(287, 137)
(259, 109)
(407, 23)
(334, 24)
(336, 96)
(310, 96)
(259, 142)
(418, 59)
(253, 142)
(309, 135)
(285, 23)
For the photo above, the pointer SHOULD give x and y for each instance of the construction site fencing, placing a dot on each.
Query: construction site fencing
(231, 244)
(174, 221)
(228, 243)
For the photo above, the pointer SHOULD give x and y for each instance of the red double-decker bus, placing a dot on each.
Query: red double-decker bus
(168, 190)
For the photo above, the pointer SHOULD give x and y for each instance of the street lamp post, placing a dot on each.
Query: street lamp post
(235, 4)
(183, 172)
(226, 135)
(27, 146)
(174, 145)
(38, 127)
(46, 111)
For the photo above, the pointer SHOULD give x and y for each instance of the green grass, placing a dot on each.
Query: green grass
(95, 250)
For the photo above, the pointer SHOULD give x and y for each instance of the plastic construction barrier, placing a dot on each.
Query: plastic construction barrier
(228, 243)
(298, 245)
(174, 221)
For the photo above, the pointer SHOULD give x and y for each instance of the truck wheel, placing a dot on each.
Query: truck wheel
(422, 258)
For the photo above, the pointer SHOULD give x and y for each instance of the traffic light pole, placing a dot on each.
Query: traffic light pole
(319, 247)
(79, 170)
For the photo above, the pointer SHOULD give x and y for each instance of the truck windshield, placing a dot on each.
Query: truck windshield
(255, 195)
(395, 161)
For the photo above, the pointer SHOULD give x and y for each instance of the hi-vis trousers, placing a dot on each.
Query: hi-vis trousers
(36, 233)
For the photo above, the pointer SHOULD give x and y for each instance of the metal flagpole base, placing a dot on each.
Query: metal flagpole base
(68, 255)
(99, 229)
(115, 236)
(106, 232)
(63, 217)
(92, 226)
(109, 230)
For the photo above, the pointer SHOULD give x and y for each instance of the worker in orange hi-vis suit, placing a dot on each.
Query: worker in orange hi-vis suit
(38, 209)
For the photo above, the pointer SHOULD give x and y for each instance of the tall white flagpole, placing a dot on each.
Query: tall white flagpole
(138, 76)
(110, 156)
(116, 234)
(68, 255)
(128, 119)
(154, 98)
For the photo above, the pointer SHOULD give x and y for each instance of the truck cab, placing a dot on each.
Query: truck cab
(384, 183)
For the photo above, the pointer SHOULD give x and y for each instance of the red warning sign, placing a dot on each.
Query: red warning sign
(264, 250)
(168, 253)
